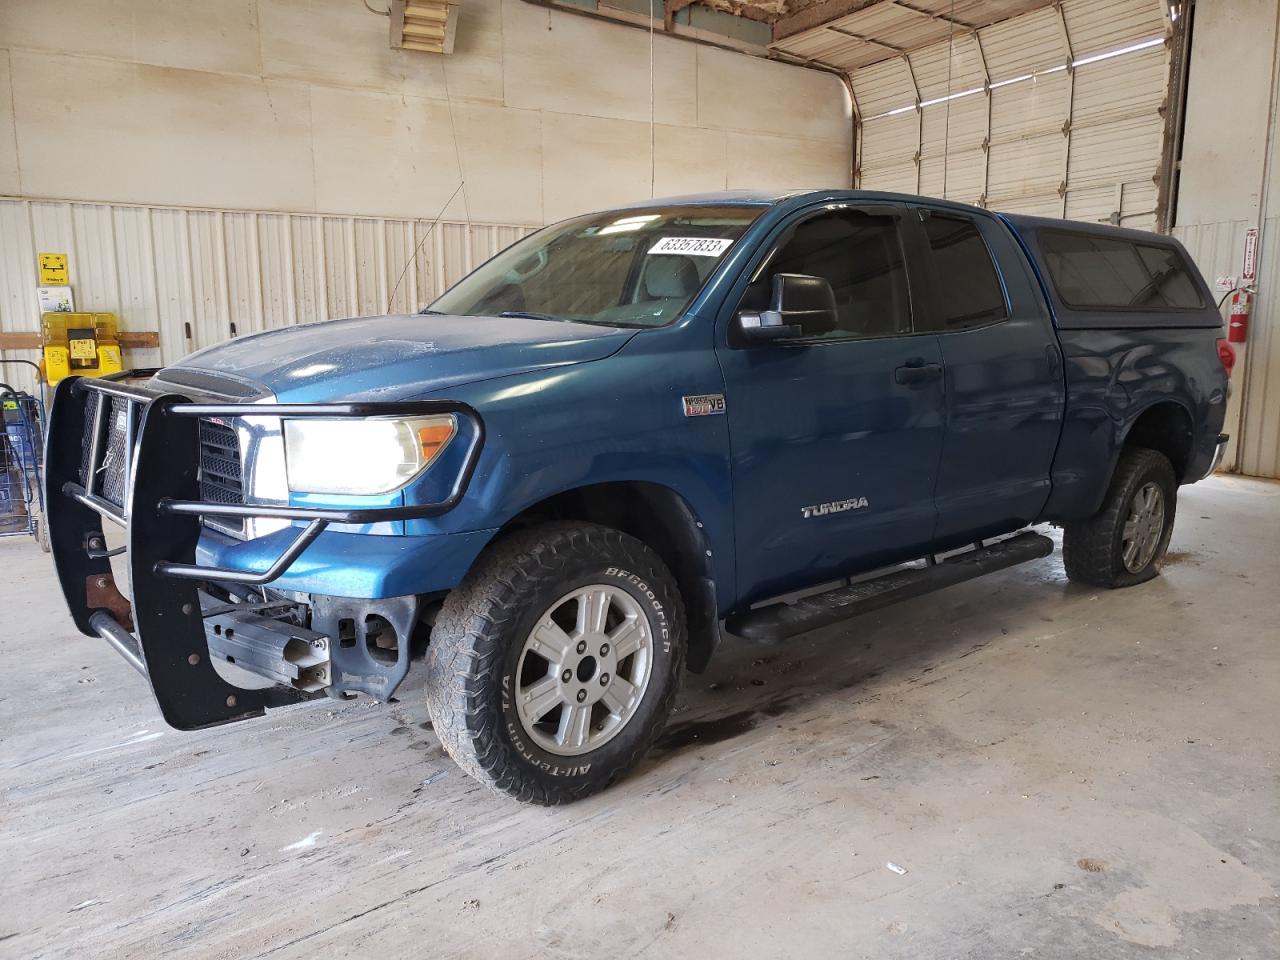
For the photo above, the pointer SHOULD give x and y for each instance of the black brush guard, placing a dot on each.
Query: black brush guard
(161, 634)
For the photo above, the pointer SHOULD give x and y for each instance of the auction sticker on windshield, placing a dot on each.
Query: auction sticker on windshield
(692, 246)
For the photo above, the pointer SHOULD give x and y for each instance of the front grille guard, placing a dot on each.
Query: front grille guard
(161, 633)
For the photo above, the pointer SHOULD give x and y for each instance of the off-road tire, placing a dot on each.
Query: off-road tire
(1092, 549)
(476, 640)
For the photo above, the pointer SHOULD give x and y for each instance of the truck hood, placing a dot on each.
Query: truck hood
(399, 357)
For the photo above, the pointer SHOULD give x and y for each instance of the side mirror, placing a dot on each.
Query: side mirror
(801, 306)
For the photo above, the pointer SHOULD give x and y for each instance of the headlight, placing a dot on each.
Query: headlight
(356, 456)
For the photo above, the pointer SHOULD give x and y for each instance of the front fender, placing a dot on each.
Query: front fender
(614, 420)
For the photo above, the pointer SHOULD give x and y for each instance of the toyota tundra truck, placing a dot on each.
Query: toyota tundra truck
(555, 489)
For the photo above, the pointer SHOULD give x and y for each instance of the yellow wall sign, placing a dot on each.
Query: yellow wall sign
(53, 269)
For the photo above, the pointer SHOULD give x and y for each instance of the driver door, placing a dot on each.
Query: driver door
(835, 438)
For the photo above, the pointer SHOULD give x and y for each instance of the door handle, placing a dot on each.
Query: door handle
(914, 373)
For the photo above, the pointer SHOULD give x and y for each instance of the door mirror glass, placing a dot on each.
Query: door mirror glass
(800, 306)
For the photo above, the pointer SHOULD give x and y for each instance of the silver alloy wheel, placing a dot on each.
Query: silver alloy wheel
(1144, 528)
(583, 670)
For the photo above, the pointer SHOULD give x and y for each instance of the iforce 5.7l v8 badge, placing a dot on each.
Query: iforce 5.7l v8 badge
(704, 405)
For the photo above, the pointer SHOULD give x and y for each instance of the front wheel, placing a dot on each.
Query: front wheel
(1125, 541)
(553, 667)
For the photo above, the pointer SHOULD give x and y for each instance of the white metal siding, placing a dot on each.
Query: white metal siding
(177, 270)
(1253, 415)
(1259, 449)
(1031, 135)
(1229, 183)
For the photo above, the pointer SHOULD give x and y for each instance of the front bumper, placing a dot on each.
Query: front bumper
(129, 455)
(352, 564)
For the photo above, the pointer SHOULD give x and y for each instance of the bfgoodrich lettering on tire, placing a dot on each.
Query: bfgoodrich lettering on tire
(556, 662)
(1125, 541)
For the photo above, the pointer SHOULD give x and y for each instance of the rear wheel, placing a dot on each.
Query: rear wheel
(555, 664)
(1125, 541)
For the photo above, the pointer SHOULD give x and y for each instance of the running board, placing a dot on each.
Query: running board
(780, 621)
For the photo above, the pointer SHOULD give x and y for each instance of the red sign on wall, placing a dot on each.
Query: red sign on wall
(1250, 271)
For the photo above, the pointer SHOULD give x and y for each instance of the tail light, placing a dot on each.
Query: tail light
(1227, 355)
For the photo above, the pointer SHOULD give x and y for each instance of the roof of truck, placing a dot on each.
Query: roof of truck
(719, 198)
(770, 197)
(1026, 224)
(767, 198)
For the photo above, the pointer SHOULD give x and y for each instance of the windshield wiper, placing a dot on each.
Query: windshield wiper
(427, 311)
(529, 315)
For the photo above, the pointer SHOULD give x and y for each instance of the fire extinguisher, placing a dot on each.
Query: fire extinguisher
(1238, 317)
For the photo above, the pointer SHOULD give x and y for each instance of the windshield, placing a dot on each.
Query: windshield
(629, 268)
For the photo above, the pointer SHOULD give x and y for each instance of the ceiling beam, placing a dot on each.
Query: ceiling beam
(788, 57)
(865, 39)
(941, 18)
(816, 16)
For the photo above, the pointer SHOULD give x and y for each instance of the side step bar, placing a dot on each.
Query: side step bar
(780, 621)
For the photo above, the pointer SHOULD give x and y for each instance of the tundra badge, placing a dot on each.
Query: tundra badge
(835, 506)
(704, 405)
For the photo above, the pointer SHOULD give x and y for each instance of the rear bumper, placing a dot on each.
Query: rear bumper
(1218, 453)
(1214, 460)
(130, 455)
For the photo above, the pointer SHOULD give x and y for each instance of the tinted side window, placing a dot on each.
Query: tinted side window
(1112, 273)
(969, 292)
(860, 255)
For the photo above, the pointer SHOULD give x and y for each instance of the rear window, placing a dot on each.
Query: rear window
(974, 296)
(1111, 273)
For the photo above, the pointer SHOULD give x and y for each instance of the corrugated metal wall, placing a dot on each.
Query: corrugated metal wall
(202, 276)
(1229, 185)
(1216, 249)
(1003, 121)
(1259, 448)
(1253, 416)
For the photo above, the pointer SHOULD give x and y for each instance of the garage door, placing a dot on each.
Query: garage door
(1058, 112)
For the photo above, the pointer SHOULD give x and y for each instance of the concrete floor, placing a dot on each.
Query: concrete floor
(1061, 772)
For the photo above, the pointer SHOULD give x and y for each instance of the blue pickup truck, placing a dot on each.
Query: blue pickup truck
(629, 434)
